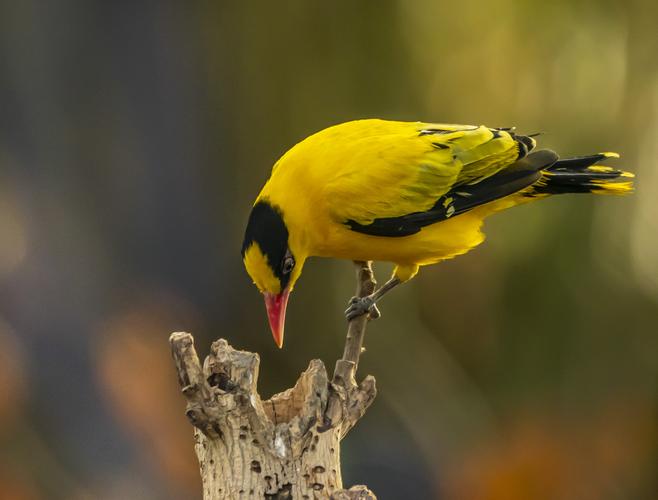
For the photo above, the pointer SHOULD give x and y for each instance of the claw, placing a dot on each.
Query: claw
(360, 306)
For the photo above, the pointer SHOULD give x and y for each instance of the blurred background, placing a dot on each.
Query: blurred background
(134, 137)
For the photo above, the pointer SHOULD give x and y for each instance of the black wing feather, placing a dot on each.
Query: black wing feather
(460, 199)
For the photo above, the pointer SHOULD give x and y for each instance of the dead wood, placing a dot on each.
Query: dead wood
(287, 446)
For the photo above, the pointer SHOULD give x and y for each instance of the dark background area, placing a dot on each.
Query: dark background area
(134, 137)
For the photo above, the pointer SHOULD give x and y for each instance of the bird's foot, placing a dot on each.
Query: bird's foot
(359, 306)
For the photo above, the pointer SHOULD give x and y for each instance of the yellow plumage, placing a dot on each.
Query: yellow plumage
(409, 193)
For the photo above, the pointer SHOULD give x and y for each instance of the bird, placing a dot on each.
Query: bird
(410, 193)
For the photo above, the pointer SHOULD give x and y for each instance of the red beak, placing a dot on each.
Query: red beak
(276, 313)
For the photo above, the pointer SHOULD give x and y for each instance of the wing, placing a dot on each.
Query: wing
(396, 172)
(458, 200)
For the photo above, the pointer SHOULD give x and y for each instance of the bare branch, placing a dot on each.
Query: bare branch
(287, 446)
(346, 367)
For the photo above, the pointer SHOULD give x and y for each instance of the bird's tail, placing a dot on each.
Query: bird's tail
(582, 175)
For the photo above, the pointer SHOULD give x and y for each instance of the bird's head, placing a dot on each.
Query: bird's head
(273, 261)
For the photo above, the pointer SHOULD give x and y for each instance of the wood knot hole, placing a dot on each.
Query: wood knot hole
(221, 380)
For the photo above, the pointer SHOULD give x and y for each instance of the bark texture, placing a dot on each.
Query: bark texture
(287, 447)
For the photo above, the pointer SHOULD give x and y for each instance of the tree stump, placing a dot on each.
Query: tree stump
(287, 447)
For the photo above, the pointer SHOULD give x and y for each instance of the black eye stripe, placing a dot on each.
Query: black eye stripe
(267, 229)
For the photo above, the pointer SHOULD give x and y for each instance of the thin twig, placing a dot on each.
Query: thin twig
(346, 367)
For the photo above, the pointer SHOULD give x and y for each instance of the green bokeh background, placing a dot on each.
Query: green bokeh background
(134, 137)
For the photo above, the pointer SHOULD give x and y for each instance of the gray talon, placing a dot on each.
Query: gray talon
(360, 306)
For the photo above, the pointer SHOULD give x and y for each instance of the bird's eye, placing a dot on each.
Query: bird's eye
(288, 264)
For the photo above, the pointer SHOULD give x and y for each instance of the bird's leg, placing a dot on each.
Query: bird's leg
(363, 305)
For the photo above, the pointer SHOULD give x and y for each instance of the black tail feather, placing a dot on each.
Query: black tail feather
(578, 162)
(582, 175)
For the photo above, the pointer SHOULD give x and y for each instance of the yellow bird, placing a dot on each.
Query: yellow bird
(410, 193)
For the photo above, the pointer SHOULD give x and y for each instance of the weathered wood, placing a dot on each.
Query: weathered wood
(287, 446)
(356, 329)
